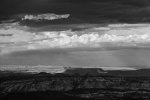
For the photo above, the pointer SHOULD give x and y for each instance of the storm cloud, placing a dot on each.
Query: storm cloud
(88, 11)
(103, 36)
(15, 37)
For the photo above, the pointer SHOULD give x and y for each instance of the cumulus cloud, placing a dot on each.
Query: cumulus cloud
(13, 33)
(63, 40)
(18, 38)
(47, 16)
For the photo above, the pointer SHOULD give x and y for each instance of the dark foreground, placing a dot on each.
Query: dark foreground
(15, 86)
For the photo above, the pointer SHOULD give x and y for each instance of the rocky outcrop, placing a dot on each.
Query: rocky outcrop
(84, 86)
(73, 83)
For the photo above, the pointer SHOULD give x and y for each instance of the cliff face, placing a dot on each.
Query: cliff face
(85, 71)
(81, 86)
(72, 83)
(75, 83)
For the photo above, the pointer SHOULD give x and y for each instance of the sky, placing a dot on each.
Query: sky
(75, 33)
(87, 11)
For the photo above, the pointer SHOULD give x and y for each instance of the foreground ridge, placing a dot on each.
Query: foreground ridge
(75, 87)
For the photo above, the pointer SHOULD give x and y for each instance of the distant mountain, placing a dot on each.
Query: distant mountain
(138, 72)
(84, 71)
(99, 71)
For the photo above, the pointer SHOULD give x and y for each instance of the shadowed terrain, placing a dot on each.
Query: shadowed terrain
(75, 86)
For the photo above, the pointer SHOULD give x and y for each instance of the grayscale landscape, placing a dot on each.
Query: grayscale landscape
(74, 49)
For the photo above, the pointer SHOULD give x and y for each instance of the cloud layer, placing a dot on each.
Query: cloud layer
(95, 11)
(14, 37)
(48, 16)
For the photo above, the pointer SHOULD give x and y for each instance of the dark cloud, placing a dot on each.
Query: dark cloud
(87, 10)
